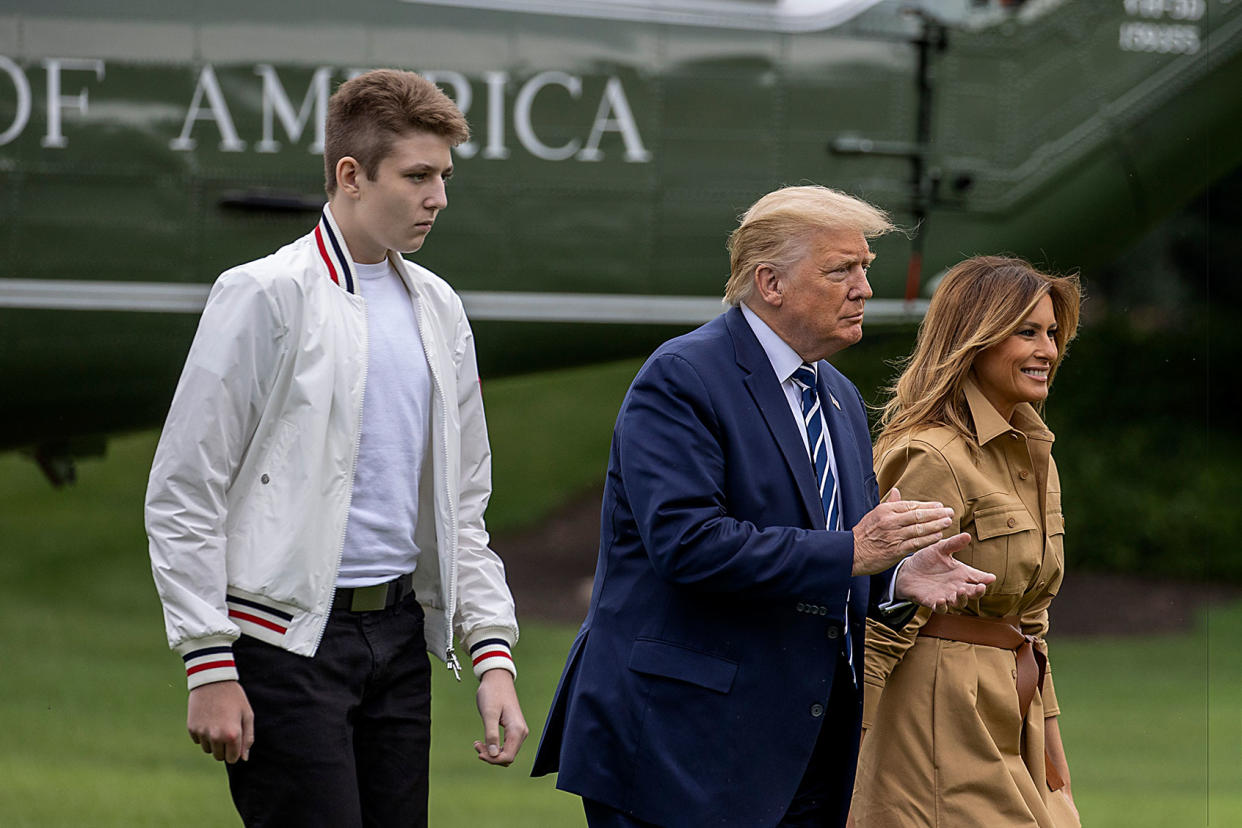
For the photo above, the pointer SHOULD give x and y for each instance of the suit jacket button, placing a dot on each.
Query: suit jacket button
(817, 710)
(1011, 523)
(834, 633)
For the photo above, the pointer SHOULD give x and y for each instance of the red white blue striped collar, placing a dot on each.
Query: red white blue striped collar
(333, 252)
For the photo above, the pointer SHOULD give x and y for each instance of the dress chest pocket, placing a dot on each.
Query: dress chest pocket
(1006, 541)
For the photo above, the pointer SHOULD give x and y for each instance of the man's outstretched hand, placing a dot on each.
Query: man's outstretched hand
(934, 578)
(897, 528)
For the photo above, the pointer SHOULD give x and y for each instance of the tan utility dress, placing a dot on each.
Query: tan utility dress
(946, 744)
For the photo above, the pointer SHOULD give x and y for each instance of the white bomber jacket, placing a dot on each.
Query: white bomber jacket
(250, 488)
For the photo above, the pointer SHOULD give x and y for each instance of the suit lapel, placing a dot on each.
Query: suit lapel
(765, 390)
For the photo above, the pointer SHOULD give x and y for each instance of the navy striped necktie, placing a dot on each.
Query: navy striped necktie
(812, 419)
(813, 422)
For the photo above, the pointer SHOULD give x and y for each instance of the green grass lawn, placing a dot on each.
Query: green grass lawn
(1153, 725)
(92, 704)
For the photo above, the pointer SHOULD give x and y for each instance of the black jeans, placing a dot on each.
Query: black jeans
(342, 740)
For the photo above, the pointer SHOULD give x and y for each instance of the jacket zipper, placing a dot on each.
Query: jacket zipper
(450, 610)
(450, 657)
(353, 466)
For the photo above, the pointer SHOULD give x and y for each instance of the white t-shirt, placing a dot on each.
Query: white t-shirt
(379, 535)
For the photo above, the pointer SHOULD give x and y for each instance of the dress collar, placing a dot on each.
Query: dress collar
(989, 424)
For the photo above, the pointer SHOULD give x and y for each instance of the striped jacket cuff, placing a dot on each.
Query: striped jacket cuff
(490, 654)
(208, 664)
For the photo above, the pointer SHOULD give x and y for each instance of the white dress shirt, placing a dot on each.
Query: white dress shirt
(785, 361)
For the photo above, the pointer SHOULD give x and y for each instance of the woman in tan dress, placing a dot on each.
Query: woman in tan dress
(960, 715)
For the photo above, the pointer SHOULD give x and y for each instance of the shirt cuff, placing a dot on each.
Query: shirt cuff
(891, 605)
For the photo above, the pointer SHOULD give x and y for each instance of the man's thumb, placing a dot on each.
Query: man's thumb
(492, 738)
(893, 495)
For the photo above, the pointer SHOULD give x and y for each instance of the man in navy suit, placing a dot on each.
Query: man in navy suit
(742, 545)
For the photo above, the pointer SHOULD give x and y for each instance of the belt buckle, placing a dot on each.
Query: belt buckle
(369, 599)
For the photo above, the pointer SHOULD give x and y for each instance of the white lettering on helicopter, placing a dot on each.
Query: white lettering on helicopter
(275, 101)
(54, 138)
(21, 112)
(1146, 35)
(219, 113)
(1159, 37)
(56, 102)
(208, 104)
(1173, 9)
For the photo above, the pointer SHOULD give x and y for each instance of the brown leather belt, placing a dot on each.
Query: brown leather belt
(1005, 634)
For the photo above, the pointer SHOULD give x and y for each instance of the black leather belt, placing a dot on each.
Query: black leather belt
(373, 598)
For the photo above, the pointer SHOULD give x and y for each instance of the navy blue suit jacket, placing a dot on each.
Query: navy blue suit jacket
(713, 632)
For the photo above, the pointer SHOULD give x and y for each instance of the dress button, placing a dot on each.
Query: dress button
(834, 633)
(265, 479)
(1024, 474)
(1011, 523)
(817, 710)
(801, 607)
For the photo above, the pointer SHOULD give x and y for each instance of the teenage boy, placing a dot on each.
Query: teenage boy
(315, 507)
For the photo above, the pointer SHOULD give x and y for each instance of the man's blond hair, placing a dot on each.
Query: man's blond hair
(778, 227)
